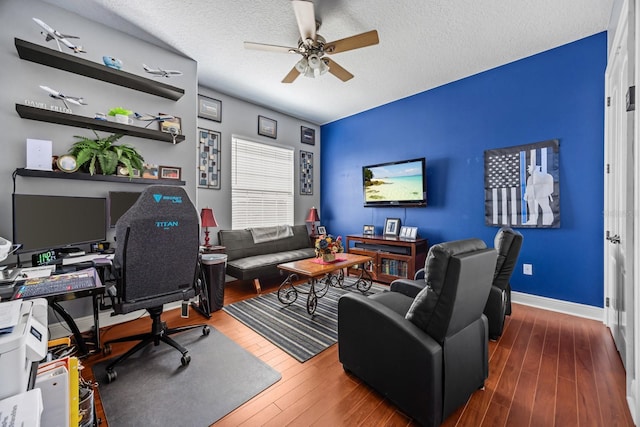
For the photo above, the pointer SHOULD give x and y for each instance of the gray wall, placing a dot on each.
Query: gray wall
(240, 118)
(21, 80)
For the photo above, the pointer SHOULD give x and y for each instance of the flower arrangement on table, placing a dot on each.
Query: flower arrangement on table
(328, 246)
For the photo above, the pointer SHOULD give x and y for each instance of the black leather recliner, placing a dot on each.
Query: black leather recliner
(426, 354)
(508, 243)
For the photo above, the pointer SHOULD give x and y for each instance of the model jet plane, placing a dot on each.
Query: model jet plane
(159, 72)
(159, 118)
(57, 95)
(51, 34)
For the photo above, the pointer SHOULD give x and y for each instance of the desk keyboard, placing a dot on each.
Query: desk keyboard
(55, 286)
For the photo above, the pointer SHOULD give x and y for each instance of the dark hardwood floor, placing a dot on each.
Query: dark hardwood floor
(547, 369)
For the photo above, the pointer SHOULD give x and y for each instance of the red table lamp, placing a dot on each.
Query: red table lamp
(313, 217)
(208, 220)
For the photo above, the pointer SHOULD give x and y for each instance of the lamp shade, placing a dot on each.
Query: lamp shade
(207, 218)
(313, 215)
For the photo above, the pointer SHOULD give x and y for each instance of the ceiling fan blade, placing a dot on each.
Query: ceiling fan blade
(338, 71)
(270, 47)
(293, 74)
(306, 18)
(354, 42)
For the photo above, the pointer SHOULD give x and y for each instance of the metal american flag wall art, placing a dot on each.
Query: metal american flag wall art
(522, 186)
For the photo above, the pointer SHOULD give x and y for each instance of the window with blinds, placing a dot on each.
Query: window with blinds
(261, 184)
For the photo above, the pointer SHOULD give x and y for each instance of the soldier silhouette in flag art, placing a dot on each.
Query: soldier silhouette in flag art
(539, 192)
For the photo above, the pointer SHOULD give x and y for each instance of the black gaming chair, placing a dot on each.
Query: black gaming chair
(155, 263)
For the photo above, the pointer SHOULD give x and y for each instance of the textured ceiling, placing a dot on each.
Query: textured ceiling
(423, 43)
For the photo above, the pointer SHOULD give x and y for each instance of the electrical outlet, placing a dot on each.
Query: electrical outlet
(527, 269)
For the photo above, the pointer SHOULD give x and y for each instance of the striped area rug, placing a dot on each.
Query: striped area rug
(290, 327)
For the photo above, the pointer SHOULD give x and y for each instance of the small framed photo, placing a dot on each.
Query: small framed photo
(321, 229)
(170, 172)
(209, 108)
(409, 233)
(413, 233)
(150, 171)
(307, 135)
(368, 230)
(267, 127)
(392, 227)
(172, 126)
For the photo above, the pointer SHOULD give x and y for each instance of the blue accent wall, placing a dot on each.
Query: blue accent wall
(557, 94)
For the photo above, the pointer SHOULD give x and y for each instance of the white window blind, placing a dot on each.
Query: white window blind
(261, 184)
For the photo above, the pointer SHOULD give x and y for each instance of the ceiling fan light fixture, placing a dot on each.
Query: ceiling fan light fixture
(302, 66)
(323, 67)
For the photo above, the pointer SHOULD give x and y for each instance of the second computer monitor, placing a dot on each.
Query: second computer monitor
(120, 202)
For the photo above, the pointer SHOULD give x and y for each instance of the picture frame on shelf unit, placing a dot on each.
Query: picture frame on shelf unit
(172, 126)
(321, 230)
(150, 171)
(209, 108)
(392, 227)
(267, 127)
(170, 172)
(368, 230)
(307, 135)
(409, 233)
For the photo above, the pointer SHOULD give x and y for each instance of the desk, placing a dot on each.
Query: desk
(54, 302)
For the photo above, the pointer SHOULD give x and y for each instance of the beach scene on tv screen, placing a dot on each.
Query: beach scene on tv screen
(393, 182)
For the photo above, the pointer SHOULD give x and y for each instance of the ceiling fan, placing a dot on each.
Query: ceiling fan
(313, 47)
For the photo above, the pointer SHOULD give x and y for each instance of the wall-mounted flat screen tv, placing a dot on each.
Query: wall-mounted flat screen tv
(401, 183)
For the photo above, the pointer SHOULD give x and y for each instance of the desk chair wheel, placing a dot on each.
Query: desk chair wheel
(206, 331)
(106, 350)
(111, 376)
(185, 360)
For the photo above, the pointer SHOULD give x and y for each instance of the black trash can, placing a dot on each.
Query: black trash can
(214, 267)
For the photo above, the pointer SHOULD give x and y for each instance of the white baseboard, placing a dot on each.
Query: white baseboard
(575, 309)
(85, 323)
(58, 330)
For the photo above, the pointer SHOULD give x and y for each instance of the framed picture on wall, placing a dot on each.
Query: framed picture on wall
(209, 143)
(209, 108)
(307, 135)
(267, 127)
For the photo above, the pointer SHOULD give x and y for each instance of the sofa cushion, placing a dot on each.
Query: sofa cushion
(423, 310)
(239, 243)
(266, 264)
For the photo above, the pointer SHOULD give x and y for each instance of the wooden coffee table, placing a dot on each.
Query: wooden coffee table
(327, 274)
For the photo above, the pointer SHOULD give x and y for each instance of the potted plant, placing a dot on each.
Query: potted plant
(101, 155)
(120, 110)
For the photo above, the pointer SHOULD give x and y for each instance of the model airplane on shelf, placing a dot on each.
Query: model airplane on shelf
(159, 72)
(51, 34)
(159, 118)
(78, 100)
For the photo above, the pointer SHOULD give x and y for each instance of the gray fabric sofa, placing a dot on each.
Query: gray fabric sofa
(247, 260)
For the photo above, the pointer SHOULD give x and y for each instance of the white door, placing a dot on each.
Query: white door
(619, 201)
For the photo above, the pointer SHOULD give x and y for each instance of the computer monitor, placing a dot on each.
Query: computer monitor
(52, 222)
(119, 202)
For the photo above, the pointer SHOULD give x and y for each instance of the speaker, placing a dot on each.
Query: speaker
(39, 154)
